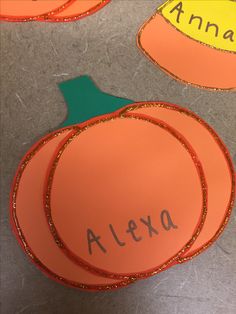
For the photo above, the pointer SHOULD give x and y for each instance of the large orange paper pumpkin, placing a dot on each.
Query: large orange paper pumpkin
(122, 180)
(94, 198)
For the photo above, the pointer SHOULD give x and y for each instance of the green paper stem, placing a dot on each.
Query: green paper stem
(85, 100)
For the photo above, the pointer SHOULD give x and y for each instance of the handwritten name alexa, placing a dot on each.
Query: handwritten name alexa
(94, 240)
(198, 22)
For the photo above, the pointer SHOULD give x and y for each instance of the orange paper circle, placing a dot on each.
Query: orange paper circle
(28, 10)
(216, 161)
(30, 226)
(186, 59)
(117, 169)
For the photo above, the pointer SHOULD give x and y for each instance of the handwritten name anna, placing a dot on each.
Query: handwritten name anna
(198, 22)
(132, 230)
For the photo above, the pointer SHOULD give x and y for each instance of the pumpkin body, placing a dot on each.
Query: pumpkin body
(109, 173)
(34, 234)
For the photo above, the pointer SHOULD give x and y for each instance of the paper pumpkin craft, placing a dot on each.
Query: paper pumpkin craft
(194, 42)
(57, 11)
(111, 190)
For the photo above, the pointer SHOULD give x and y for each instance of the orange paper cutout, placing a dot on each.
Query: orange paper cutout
(186, 59)
(29, 223)
(116, 170)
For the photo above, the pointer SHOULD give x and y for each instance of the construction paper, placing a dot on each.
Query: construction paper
(85, 100)
(211, 22)
(216, 161)
(77, 10)
(26, 10)
(123, 188)
(188, 48)
(30, 226)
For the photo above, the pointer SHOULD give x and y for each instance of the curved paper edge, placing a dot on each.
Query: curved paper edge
(78, 16)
